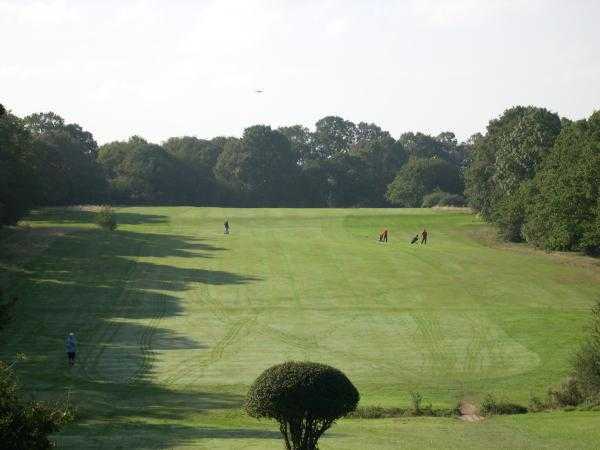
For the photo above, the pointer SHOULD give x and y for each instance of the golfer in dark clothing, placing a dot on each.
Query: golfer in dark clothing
(424, 237)
(226, 227)
(71, 348)
(415, 239)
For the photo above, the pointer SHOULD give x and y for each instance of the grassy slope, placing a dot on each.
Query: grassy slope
(175, 319)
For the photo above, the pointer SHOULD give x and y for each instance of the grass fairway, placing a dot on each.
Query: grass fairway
(174, 321)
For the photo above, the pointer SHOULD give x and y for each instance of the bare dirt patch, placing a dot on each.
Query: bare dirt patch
(469, 412)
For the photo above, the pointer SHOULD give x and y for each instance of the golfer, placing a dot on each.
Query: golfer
(383, 236)
(226, 227)
(71, 348)
(424, 237)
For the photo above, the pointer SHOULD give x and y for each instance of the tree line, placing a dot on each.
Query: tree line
(537, 177)
(532, 173)
(46, 161)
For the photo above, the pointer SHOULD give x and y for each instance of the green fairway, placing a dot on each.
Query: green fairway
(175, 319)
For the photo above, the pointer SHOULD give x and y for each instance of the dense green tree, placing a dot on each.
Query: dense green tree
(333, 135)
(369, 132)
(302, 142)
(141, 172)
(347, 181)
(421, 176)
(506, 157)
(522, 147)
(419, 145)
(305, 398)
(381, 157)
(198, 158)
(261, 168)
(19, 186)
(563, 209)
(68, 170)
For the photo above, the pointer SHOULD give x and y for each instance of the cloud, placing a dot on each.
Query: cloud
(467, 13)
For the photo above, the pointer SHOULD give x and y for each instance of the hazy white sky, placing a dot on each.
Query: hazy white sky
(170, 68)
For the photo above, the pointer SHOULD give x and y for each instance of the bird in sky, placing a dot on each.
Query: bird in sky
(259, 91)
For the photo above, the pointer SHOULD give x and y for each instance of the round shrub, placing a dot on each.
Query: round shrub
(304, 397)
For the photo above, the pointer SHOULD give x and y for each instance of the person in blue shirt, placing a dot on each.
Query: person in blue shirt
(71, 348)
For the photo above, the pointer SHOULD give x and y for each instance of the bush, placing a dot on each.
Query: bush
(536, 404)
(567, 394)
(305, 398)
(490, 406)
(378, 412)
(441, 198)
(106, 219)
(26, 425)
(587, 360)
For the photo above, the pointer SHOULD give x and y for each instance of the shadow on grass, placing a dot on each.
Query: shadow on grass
(113, 290)
(144, 436)
(73, 215)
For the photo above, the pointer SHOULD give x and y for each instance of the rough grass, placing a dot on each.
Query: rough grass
(175, 320)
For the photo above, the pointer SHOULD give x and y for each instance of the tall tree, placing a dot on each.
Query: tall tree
(141, 172)
(302, 142)
(68, 170)
(261, 168)
(334, 135)
(198, 158)
(563, 210)
(19, 186)
(419, 145)
(507, 156)
(382, 158)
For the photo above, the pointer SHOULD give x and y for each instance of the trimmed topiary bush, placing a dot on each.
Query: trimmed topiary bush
(305, 398)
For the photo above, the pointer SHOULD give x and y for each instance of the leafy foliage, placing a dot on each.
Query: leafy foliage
(305, 398)
(509, 154)
(587, 359)
(567, 394)
(422, 176)
(196, 158)
(140, 172)
(105, 218)
(26, 424)
(261, 167)
(490, 406)
(68, 172)
(19, 185)
(564, 212)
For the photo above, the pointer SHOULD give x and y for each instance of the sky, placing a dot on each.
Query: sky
(170, 68)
